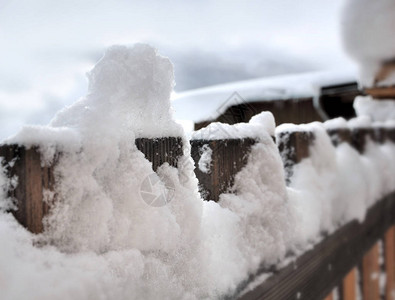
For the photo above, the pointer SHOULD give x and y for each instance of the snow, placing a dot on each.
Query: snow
(337, 123)
(205, 159)
(209, 103)
(6, 184)
(263, 122)
(102, 240)
(362, 121)
(317, 191)
(368, 34)
(378, 110)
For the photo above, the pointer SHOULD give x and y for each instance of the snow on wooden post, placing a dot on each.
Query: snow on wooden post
(380, 134)
(161, 150)
(316, 272)
(33, 180)
(379, 91)
(228, 157)
(360, 136)
(339, 135)
(293, 147)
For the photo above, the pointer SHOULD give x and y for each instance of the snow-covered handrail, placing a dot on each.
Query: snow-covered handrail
(333, 262)
(312, 275)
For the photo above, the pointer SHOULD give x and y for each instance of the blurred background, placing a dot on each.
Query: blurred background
(48, 46)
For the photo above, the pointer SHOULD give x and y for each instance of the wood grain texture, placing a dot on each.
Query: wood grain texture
(389, 254)
(318, 271)
(294, 147)
(227, 159)
(371, 274)
(349, 286)
(161, 150)
(33, 180)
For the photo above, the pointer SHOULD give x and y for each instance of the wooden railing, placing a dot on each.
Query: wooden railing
(346, 262)
(335, 263)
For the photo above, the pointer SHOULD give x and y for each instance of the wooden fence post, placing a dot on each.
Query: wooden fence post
(161, 150)
(349, 291)
(360, 137)
(33, 180)
(380, 134)
(339, 135)
(227, 159)
(293, 147)
(389, 253)
(371, 274)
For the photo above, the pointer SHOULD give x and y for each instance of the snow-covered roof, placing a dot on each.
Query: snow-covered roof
(208, 103)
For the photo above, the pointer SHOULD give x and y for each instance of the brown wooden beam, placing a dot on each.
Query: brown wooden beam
(381, 92)
(389, 253)
(349, 291)
(33, 180)
(371, 274)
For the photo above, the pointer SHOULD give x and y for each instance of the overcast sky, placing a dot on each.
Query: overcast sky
(47, 46)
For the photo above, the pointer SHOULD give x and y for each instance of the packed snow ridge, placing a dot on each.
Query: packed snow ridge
(101, 240)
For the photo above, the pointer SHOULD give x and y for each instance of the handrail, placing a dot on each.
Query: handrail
(314, 274)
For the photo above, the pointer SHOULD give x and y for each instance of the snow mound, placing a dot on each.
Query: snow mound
(378, 110)
(368, 34)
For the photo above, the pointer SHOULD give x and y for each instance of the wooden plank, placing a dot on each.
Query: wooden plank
(371, 274)
(381, 92)
(318, 271)
(33, 179)
(349, 290)
(339, 135)
(294, 147)
(389, 254)
(161, 150)
(360, 137)
(296, 111)
(227, 159)
(380, 134)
